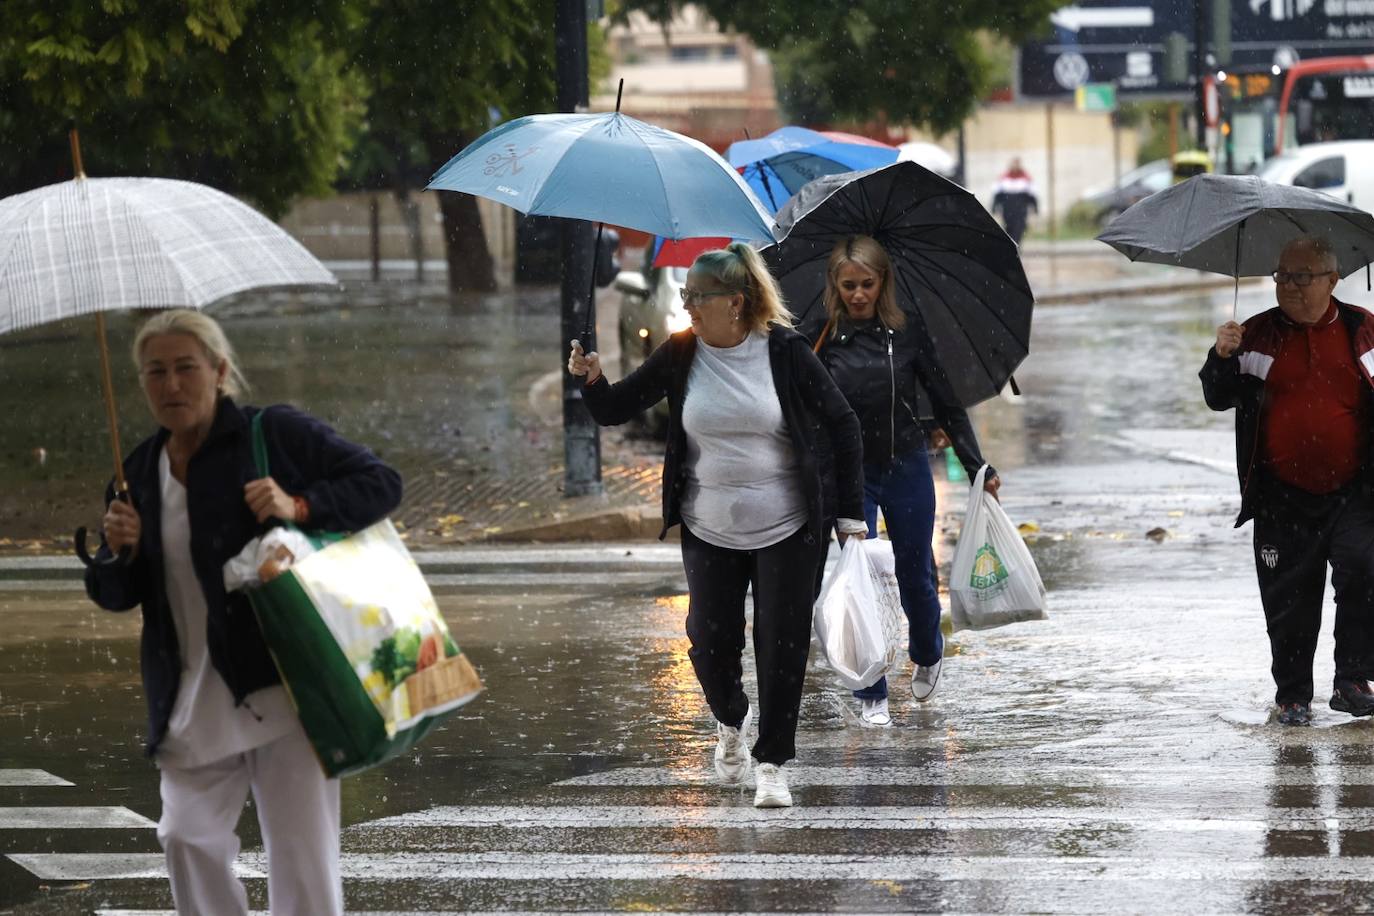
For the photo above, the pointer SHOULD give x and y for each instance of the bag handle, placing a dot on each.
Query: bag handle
(825, 332)
(259, 446)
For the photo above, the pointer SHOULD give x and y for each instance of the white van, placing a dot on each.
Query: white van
(1343, 168)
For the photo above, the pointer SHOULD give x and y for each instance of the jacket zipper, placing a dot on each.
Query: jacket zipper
(892, 412)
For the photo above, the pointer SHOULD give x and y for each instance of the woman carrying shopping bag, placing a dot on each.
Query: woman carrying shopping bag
(220, 723)
(878, 362)
(747, 399)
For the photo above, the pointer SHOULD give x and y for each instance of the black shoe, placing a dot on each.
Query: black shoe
(1353, 697)
(1295, 714)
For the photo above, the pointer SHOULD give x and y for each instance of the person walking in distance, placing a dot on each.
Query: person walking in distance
(1014, 197)
(747, 400)
(1298, 377)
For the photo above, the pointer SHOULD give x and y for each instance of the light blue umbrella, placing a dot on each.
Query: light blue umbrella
(609, 168)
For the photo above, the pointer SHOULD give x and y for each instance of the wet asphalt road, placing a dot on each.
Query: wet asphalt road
(1115, 758)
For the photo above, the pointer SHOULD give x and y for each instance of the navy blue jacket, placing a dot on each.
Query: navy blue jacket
(346, 486)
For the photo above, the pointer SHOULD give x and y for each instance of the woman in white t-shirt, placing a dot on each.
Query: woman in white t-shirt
(747, 400)
(220, 723)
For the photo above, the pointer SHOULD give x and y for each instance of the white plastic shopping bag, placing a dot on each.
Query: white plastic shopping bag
(852, 617)
(992, 580)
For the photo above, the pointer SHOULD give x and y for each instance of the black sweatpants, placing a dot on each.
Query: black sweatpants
(1296, 535)
(783, 577)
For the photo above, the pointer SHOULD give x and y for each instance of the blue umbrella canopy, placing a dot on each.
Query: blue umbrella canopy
(776, 166)
(608, 168)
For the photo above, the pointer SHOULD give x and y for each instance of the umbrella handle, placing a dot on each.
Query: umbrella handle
(119, 559)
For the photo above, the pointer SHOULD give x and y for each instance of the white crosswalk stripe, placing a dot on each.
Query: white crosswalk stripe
(20, 778)
(55, 817)
(557, 866)
(877, 817)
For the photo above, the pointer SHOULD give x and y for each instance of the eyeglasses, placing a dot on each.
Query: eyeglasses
(1298, 278)
(695, 297)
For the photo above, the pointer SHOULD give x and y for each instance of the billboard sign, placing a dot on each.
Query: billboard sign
(1146, 46)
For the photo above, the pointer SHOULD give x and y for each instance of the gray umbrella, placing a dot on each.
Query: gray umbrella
(1238, 225)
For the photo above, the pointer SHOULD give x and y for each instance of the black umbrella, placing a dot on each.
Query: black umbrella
(958, 274)
(1238, 225)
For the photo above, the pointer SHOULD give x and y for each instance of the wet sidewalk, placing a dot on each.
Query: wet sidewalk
(462, 395)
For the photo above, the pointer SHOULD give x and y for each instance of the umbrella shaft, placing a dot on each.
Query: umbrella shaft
(107, 381)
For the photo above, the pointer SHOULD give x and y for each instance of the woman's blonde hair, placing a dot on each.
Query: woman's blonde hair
(739, 269)
(207, 333)
(870, 255)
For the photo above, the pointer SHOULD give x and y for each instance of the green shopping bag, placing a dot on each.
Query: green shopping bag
(361, 646)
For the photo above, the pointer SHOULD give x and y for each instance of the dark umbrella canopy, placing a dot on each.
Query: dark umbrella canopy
(1237, 225)
(958, 275)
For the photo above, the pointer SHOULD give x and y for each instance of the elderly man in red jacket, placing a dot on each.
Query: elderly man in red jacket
(1299, 379)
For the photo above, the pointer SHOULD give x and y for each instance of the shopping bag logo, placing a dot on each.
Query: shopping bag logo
(989, 575)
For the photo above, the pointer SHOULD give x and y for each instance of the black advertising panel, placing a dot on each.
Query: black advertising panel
(1146, 46)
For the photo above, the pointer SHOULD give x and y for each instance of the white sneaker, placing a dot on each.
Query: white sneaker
(770, 781)
(923, 680)
(875, 713)
(732, 753)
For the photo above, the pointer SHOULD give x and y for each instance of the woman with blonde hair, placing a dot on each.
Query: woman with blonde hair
(746, 398)
(883, 364)
(219, 721)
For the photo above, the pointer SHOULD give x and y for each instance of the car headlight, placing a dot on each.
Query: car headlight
(678, 319)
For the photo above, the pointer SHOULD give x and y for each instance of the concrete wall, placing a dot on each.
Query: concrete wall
(1082, 150)
(339, 228)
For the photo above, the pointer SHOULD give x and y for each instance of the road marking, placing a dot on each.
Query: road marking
(20, 777)
(896, 818)
(1086, 776)
(1074, 18)
(42, 585)
(555, 866)
(594, 579)
(629, 554)
(79, 817)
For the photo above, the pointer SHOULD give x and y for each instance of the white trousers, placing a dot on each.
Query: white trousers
(298, 810)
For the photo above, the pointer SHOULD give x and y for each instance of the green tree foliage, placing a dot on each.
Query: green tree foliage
(926, 62)
(440, 73)
(258, 98)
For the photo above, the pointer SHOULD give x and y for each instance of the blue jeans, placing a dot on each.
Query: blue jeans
(905, 492)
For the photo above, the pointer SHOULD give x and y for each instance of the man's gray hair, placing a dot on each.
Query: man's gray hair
(1318, 246)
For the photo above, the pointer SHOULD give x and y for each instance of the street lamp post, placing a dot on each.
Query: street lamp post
(581, 437)
(1199, 71)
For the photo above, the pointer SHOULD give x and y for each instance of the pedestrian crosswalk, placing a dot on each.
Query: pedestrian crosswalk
(569, 833)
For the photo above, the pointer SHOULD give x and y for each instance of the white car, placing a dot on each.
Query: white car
(650, 309)
(1343, 168)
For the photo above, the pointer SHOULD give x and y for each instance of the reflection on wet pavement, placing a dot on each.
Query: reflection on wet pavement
(1117, 757)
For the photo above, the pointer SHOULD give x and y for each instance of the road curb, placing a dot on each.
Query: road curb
(1153, 288)
(624, 523)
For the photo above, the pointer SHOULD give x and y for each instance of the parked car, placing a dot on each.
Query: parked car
(650, 310)
(1343, 168)
(1137, 184)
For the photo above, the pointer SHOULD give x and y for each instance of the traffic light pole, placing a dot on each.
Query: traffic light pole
(581, 437)
(1200, 14)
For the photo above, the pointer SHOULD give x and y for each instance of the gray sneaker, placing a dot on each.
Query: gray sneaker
(923, 680)
(732, 751)
(770, 781)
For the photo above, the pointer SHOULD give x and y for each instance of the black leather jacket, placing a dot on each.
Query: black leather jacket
(887, 377)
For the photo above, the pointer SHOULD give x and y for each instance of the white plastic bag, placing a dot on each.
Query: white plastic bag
(890, 613)
(849, 618)
(244, 570)
(992, 580)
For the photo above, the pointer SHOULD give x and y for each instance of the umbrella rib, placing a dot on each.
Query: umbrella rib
(1021, 283)
(977, 298)
(982, 361)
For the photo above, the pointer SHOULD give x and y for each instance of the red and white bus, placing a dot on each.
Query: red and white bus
(1260, 113)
